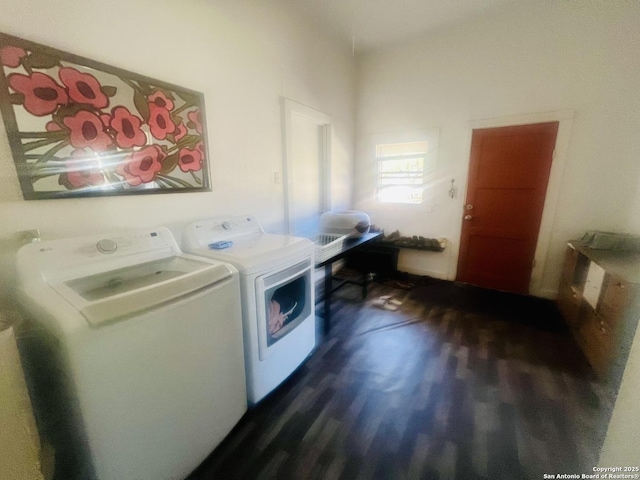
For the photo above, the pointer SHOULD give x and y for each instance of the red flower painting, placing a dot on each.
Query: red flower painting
(160, 100)
(81, 173)
(127, 127)
(52, 127)
(42, 95)
(160, 122)
(98, 129)
(142, 166)
(200, 146)
(194, 117)
(83, 87)
(87, 131)
(190, 159)
(81, 178)
(180, 132)
(11, 56)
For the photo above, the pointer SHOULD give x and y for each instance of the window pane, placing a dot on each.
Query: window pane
(414, 164)
(400, 179)
(401, 170)
(400, 194)
(395, 149)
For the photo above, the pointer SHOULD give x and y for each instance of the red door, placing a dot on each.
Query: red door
(508, 175)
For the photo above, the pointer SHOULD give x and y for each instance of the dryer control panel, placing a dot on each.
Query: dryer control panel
(221, 229)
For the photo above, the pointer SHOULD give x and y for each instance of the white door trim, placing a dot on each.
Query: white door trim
(289, 109)
(565, 120)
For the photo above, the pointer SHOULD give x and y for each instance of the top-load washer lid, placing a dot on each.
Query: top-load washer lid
(109, 277)
(250, 249)
(114, 294)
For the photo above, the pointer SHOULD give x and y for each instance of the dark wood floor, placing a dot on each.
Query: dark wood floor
(458, 383)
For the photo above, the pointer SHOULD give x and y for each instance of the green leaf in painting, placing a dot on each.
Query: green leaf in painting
(189, 140)
(175, 180)
(52, 151)
(27, 147)
(109, 91)
(169, 163)
(195, 177)
(70, 110)
(145, 87)
(186, 97)
(16, 98)
(41, 60)
(140, 101)
(114, 181)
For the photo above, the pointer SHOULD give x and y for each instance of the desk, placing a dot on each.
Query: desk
(349, 246)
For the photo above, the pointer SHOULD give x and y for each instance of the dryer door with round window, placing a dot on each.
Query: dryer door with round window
(285, 300)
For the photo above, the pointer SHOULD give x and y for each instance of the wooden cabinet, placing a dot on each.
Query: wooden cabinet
(599, 299)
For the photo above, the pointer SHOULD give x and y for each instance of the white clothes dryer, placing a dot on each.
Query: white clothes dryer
(143, 345)
(278, 299)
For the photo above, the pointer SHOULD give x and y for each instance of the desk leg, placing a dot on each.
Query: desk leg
(328, 286)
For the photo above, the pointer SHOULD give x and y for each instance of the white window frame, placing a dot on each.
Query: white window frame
(430, 166)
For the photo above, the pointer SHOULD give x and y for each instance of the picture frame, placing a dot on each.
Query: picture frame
(81, 128)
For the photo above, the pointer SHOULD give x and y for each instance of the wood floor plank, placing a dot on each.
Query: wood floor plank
(457, 383)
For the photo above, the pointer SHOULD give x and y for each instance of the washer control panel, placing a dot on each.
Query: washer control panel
(126, 244)
(68, 257)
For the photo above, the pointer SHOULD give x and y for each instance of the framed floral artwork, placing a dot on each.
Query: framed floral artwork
(81, 128)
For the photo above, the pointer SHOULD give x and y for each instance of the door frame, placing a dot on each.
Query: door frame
(289, 109)
(565, 121)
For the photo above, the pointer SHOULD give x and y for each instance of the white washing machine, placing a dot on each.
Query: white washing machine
(278, 299)
(141, 352)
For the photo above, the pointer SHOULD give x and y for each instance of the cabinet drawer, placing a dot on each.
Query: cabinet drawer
(615, 299)
(597, 341)
(569, 300)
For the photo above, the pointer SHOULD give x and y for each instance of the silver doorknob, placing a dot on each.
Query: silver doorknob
(468, 217)
(469, 207)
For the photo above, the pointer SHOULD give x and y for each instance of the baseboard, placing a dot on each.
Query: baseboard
(548, 293)
(422, 272)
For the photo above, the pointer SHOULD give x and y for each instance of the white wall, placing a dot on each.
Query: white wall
(633, 218)
(243, 55)
(536, 57)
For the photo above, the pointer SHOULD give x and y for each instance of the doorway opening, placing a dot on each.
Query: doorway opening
(307, 167)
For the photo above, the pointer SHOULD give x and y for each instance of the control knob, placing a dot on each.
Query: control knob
(226, 225)
(106, 246)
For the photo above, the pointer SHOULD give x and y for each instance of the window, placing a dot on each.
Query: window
(402, 168)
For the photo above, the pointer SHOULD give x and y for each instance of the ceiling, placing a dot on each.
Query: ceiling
(375, 24)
